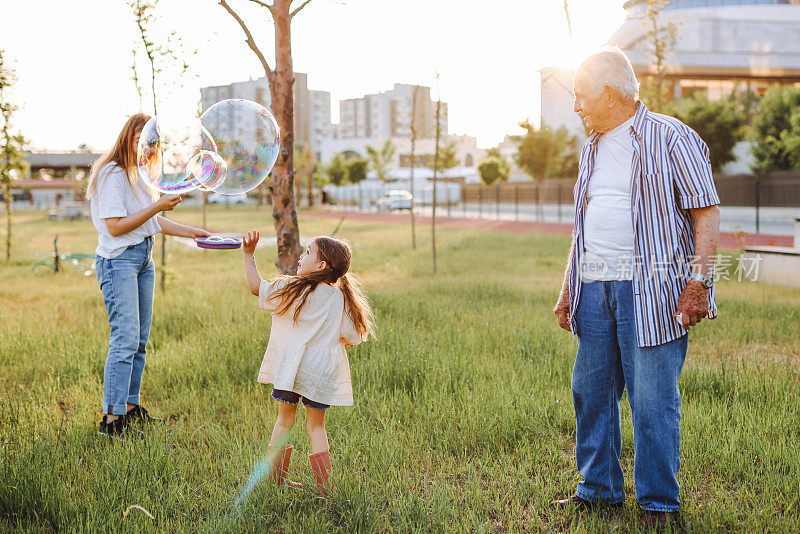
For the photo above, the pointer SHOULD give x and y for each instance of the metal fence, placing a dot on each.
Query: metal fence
(773, 190)
(551, 200)
(515, 201)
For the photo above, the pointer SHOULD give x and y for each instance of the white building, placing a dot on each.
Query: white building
(558, 101)
(721, 47)
(388, 114)
(312, 109)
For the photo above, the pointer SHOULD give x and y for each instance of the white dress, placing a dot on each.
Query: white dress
(308, 357)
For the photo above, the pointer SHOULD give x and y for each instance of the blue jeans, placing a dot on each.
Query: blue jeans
(127, 283)
(609, 360)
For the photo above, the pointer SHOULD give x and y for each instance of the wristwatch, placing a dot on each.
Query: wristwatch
(706, 279)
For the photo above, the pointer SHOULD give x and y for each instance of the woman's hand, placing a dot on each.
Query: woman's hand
(249, 243)
(168, 202)
(199, 232)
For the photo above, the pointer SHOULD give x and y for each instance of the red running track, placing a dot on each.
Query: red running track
(726, 240)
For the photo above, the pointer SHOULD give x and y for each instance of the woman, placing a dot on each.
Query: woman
(125, 213)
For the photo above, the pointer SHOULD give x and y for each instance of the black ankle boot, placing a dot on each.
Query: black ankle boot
(140, 415)
(118, 428)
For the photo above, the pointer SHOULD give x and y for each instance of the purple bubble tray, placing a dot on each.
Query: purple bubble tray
(218, 242)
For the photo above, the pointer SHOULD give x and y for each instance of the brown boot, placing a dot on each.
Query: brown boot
(580, 504)
(659, 520)
(280, 467)
(321, 465)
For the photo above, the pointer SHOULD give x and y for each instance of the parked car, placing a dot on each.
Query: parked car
(396, 199)
(219, 198)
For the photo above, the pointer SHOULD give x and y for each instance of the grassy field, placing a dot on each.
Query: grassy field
(463, 416)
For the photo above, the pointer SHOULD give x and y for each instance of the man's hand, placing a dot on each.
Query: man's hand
(692, 304)
(562, 312)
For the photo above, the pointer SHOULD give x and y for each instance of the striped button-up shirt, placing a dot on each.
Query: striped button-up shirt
(671, 174)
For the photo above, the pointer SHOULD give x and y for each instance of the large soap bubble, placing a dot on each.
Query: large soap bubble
(176, 159)
(247, 138)
(207, 169)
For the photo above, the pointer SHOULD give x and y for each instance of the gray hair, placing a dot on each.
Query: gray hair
(610, 67)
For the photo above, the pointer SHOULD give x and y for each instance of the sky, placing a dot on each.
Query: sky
(73, 58)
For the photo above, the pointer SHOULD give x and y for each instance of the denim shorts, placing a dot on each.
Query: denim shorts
(290, 397)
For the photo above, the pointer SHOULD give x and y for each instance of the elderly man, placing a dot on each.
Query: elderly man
(639, 275)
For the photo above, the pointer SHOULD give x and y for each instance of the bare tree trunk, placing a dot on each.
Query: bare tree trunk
(143, 14)
(135, 78)
(281, 80)
(411, 179)
(310, 186)
(659, 53)
(204, 200)
(7, 203)
(435, 171)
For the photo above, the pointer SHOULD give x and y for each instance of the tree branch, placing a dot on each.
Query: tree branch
(263, 4)
(250, 42)
(304, 4)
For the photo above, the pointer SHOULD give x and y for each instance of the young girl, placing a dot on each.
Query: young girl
(126, 216)
(315, 315)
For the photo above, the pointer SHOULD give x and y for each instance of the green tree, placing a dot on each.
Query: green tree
(447, 157)
(492, 170)
(380, 160)
(356, 169)
(336, 171)
(319, 175)
(495, 152)
(12, 156)
(791, 139)
(776, 129)
(720, 124)
(547, 153)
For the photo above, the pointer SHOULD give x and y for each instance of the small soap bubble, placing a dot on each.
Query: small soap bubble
(207, 170)
(174, 156)
(159, 159)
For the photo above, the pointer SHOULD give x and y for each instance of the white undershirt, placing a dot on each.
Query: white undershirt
(608, 226)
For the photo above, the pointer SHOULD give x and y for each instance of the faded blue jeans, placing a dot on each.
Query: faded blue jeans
(127, 283)
(609, 360)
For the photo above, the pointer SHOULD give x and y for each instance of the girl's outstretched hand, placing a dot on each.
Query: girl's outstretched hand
(249, 242)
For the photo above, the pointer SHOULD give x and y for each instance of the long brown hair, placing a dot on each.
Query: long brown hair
(336, 254)
(123, 153)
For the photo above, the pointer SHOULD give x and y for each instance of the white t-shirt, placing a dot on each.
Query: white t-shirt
(608, 223)
(114, 197)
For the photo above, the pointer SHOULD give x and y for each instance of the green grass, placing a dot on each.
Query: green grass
(463, 415)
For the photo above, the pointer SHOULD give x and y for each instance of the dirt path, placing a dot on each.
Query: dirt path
(726, 241)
